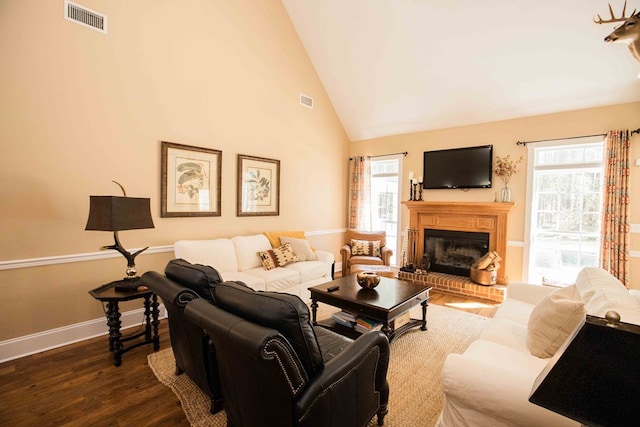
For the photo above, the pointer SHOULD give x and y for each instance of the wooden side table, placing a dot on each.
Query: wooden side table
(108, 293)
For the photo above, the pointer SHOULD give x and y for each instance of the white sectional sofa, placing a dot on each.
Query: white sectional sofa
(490, 383)
(236, 259)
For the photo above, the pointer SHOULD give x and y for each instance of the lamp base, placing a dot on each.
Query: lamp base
(127, 284)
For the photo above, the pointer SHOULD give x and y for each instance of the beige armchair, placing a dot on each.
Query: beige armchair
(364, 254)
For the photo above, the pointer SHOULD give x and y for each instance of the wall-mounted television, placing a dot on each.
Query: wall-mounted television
(469, 167)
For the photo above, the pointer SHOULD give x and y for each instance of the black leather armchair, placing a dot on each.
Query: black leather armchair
(192, 348)
(277, 370)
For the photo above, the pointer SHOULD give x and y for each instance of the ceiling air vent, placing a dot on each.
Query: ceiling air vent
(86, 17)
(307, 101)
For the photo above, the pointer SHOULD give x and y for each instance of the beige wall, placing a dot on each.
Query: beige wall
(80, 109)
(504, 135)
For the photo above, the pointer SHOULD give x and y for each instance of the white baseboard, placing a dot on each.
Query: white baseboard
(54, 338)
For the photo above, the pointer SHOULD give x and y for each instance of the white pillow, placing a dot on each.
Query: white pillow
(591, 279)
(552, 320)
(301, 248)
(246, 249)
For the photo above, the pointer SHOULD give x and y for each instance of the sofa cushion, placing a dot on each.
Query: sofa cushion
(309, 270)
(552, 321)
(199, 278)
(278, 279)
(366, 260)
(277, 257)
(618, 300)
(275, 236)
(506, 332)
(590, 279)
(254, 282)
(246, 248)
(331, 343)
(365, 247)
(283, 312)
(218, 253)
(301, 248)
(516, 310)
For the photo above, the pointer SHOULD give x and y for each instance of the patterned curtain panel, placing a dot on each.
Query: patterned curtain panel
(614, 246)
(360, 193)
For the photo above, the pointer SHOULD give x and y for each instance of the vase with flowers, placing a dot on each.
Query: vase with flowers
(505, 169)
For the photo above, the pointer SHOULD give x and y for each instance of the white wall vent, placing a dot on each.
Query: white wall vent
(307, 101)
(84, 16)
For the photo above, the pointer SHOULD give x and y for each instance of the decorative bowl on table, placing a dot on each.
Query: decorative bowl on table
(367, 279)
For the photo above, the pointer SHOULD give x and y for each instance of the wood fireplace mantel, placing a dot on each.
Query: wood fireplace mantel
(484, 217)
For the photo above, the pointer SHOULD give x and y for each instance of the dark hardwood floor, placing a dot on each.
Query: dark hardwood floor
(78, 385)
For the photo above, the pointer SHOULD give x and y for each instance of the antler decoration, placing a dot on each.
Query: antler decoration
(613, 16)
(627, 33)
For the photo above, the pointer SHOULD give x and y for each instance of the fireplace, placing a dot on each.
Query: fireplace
(488, 219)
(485, 218)
(453, 252)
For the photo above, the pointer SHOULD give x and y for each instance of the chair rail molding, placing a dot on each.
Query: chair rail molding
(64, 259)
(90, 256)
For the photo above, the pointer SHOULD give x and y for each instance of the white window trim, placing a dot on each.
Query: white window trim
(399, 157)
(529, 192)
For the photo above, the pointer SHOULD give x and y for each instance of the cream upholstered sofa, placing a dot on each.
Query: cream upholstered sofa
(236, 259)
(490, 383)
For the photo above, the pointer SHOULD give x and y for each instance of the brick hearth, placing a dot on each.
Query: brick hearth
(457, 285)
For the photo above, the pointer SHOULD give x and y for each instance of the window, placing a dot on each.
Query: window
(385, 198)
(565, 199)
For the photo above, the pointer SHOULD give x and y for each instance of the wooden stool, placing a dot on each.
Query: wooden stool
(382, 270)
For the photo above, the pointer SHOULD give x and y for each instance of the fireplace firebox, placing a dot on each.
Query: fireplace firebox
(453, 252)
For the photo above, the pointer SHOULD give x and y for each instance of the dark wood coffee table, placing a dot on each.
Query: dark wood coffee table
(389, 300)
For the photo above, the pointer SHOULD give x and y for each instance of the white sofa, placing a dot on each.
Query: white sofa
(490, 383)
(236, 259)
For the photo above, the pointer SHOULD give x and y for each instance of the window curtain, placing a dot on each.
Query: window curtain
(360, 193)
(614, 246)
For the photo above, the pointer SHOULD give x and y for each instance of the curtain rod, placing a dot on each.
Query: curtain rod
(404, 153)
(572, 137)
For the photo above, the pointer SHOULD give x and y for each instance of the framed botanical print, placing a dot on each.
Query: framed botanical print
(258, 186)
(191, 181)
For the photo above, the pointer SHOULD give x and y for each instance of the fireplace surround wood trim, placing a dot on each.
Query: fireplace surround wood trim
(486, 217)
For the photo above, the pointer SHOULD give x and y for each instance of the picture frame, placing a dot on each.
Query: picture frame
(258, 186)
(191, 180)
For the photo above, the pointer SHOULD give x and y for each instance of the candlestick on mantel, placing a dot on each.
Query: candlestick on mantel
(411, 189)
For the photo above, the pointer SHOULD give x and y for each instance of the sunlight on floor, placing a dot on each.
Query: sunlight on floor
(470, 304)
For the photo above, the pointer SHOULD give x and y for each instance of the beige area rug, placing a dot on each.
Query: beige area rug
(415, 398)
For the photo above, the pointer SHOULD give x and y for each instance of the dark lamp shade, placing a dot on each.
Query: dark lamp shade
(595, 377)
(113, 213)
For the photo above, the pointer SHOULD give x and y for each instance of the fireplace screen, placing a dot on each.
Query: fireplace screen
(453, 252)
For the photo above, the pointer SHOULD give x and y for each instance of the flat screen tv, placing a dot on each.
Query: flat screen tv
(469, 167)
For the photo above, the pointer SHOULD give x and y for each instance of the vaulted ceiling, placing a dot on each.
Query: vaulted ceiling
(400, 66)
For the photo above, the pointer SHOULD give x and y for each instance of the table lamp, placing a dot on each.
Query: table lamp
(114, 213)
(595, 377)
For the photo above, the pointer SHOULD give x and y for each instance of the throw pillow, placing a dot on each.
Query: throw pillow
(277, 257)
(552, 320)
(365, 247)
(274, 236)
(301, 248)
(197, 277)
